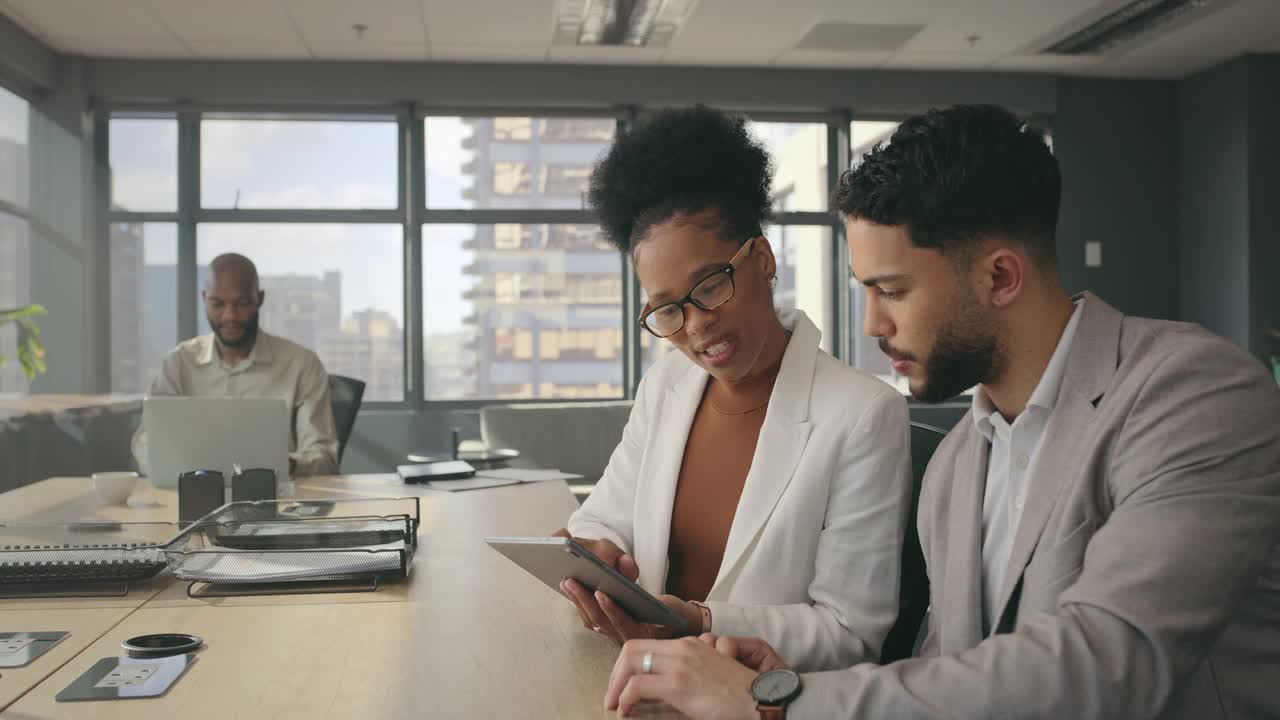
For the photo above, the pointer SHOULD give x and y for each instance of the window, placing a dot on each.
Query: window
(537, 321)
(512, 178)
(865, 135)
(15, 150)
(587, 130)
(512, 162)
(508, 128)
(336, 289)
(864, 352)
(799, 153)
(565, 180)
(15, 242)
(510, 236)
(144, 298)
(15, 291)
(805, 271)
(143, 253)
(296, 162)
(144, 164)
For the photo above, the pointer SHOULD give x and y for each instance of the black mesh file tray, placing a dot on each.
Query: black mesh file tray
(38, 558)
(198, 555)
(313, 524)
(302, 542)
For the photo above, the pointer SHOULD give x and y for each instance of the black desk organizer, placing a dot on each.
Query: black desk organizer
(275, 547)
(79, 559)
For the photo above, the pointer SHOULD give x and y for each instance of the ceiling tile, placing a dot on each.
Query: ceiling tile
(494, 23)
(387, 22)
(87, 19)
(208, 19)
(1221, 34)
(765, 27)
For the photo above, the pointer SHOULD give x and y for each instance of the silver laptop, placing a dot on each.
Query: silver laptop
(203, 433)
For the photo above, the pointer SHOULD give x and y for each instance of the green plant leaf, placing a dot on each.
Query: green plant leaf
(31, 351)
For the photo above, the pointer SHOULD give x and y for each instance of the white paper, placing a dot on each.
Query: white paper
(474, 483)
(240, 567)
(527, 475)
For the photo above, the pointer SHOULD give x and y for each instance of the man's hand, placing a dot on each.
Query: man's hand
(687, 674)
(752, 652)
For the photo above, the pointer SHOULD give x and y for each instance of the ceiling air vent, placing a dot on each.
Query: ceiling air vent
(1139, 19)
(637, 23)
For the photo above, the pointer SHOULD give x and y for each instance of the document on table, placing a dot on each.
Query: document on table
(253, 567)
(475, 483)
(527, 475)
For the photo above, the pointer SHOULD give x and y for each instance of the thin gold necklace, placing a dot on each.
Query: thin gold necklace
(742, 412)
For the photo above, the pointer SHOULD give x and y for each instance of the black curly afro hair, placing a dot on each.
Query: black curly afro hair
(683, 161)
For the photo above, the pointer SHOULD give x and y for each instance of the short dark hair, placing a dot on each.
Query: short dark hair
(683, 161)
(956, 175)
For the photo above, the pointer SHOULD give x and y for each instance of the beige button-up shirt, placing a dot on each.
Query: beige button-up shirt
(275, 368)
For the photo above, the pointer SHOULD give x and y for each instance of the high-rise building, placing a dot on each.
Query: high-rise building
(546, 299)
(130, 369)
(307, 309)
(370, 348)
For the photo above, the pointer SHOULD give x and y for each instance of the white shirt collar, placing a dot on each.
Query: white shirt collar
(1045, 396)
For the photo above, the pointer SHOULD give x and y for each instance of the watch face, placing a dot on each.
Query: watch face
(775, 687)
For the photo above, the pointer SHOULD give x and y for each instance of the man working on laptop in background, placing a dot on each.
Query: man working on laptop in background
(1101, 530)
(238, 359)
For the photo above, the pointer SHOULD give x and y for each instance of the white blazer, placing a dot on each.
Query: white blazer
(812, 560)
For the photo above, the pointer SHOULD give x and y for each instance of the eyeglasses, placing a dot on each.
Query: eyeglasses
(708, 293)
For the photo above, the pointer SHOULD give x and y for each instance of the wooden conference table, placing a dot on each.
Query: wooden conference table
(467, 635)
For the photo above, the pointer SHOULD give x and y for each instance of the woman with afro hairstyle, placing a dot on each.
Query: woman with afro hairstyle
(761, 486)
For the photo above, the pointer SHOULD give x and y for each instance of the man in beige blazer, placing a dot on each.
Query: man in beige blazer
(1102, 530)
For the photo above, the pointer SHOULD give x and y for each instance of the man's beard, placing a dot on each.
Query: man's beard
(966, 352)
(246, 338)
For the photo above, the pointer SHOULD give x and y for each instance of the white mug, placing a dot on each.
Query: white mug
(114, 488)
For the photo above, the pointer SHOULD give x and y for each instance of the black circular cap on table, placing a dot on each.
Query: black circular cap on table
(161, 645)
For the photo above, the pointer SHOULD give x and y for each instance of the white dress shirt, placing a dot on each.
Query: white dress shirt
(276, 367)
(1012, 459)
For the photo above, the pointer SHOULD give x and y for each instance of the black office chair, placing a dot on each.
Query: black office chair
(913, 585)
(345, 395)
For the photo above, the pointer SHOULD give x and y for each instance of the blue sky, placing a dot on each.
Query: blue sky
(273, 164)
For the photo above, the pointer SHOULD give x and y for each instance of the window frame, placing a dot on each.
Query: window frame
(413, 214)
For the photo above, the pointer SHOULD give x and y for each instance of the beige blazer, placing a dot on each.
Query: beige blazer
(812, 558)
(1144, 580)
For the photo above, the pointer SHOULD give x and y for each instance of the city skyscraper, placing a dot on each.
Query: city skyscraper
(546, 299)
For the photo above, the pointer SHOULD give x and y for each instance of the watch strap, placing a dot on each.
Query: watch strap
(771, 712)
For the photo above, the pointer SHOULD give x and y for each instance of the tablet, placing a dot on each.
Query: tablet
(552, 559)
